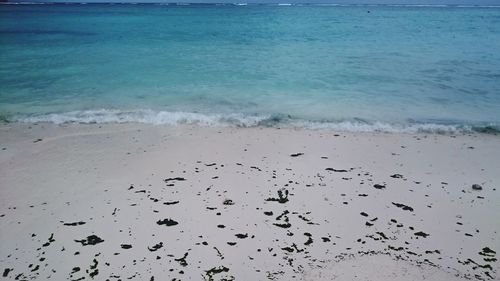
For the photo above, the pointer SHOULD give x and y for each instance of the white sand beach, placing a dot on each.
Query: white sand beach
(145, 202)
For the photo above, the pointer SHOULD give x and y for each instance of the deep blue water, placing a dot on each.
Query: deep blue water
(344, 67)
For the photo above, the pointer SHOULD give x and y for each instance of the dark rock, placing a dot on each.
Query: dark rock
(156, 247)
(167, 222)
(402, 206)
(336, 170)
(283, 225)
(477, 187)
(174, 179)
(90, 240)
(487, 252)
(228, 202)
(74, 223)
(6, 272)
(309, 239)
(382, 235)
(421, 234)
(182, 261)
(216, 270)
(282, 196)
(171, 203)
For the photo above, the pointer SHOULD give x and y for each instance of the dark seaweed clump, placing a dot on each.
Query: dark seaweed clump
(282, 197)
(90, 240)
(167, 222)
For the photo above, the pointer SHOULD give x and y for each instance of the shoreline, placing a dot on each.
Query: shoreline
(238, 121)
(382, 206)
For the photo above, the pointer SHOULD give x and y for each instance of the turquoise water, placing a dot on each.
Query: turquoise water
(343, 67)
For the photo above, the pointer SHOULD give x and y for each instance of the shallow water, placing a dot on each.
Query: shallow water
(342, 67)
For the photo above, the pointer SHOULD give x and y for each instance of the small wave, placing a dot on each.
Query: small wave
(383, 127)
(144, 116)
(244, 120)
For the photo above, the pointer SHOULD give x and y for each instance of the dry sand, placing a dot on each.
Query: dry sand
(83, 202)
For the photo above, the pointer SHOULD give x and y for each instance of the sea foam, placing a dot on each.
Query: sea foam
(103, 116)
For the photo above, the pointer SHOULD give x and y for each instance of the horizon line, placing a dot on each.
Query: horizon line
(244, 3)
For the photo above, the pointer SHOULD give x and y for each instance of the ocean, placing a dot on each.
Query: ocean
(354, 68)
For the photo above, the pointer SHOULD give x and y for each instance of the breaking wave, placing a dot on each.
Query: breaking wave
(244, 120)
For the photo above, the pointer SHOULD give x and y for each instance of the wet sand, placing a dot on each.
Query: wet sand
(144, 202)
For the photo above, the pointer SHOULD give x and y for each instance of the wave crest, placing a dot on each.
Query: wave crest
(143, 116)
(242, 120)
